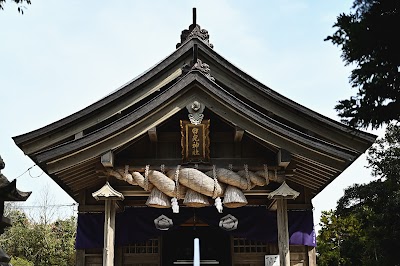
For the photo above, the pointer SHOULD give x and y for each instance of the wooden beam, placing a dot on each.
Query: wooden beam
(135, 191)
(303, 181)
(81, 178)
(78, 167)
(254, 164)
(107, 159)
(99, 208)
(313, 169)
(309, 179)
(85, 183)
(79, 175)
(294, 206)
(313, 176)
(307, 161)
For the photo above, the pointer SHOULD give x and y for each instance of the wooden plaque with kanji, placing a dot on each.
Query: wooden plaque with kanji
(195, 142)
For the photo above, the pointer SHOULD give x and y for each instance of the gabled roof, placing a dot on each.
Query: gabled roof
(321, 146)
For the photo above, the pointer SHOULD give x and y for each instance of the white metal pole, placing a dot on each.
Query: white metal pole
(196, 256)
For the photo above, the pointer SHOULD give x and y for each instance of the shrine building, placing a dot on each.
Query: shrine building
(194, 148)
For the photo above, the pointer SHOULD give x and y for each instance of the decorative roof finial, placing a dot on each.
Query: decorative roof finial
(194, 16)
(195, 31)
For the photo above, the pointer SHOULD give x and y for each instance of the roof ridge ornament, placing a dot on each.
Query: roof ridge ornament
(197, 64)
(203, 68)
(195, 112)
(195, 31)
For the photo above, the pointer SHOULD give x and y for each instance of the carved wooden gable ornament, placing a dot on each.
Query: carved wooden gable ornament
(195, 139)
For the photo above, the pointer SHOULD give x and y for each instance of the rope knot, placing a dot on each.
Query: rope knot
(214, 196)
(246, 169)
(146, 177)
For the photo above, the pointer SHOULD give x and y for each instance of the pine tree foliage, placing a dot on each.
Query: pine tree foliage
(368, 38)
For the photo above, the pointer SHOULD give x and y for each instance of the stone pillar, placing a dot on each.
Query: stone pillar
(110, 196)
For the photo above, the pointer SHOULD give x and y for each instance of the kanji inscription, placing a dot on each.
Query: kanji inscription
(195, 142)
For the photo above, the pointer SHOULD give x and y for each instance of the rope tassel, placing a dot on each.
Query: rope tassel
(218, 204)
(175, 206)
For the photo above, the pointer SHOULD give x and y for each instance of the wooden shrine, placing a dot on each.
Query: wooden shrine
(194, 147)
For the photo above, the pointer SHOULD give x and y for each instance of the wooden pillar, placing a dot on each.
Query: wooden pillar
(312, 256)
(80, 257)
(283, 232)
(110, 197)
(109, 233)
(281, 195)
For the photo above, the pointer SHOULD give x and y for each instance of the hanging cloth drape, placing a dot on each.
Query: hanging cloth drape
(137, 224)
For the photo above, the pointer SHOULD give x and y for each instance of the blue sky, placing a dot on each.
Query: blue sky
(61, 56)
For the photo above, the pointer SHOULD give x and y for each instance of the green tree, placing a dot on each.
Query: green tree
(38, 242)
(374, 206)
(339, 239)
(368, 38)
(15, 261)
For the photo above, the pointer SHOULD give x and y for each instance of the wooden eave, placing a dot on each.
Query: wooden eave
(193, 86)
(224, 72)
(269, 100)
(72, 163)
(130, 93)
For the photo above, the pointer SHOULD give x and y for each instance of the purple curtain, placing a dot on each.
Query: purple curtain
(137, 224)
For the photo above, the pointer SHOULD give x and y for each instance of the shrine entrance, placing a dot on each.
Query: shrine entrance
(178, 246)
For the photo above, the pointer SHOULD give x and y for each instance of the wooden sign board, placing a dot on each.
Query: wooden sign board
(195, 142)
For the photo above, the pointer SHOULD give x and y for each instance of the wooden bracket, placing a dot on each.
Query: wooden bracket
(283, 158)
(107, 159)
(152, 134)
(238, 134)
(79, 135)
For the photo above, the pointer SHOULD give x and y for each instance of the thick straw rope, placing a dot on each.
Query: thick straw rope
(175, 182)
